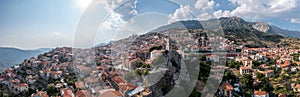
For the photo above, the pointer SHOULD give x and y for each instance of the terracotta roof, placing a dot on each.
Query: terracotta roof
(285, 64)
(14, 81)
(297, 86)
(56, 72)
(79, 85)
(245, 68)
(83, 93)
(40, 94)
(23, 85)
(91, 80)
(134, 60)
(260, 93)
(118, 79)
(270, 71)
(110, 94)
(67, 93)
(226, 86)
(126, 86)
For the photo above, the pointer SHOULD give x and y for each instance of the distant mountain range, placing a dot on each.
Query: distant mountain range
(102, 44)
(231, 23)
(12, 56)
(253, 34)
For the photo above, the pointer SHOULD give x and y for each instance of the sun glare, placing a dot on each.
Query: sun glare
(83, 3)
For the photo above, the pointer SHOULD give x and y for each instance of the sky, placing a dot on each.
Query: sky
(32, 24)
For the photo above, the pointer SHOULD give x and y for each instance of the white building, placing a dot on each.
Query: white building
(155, 54)
(245, 70)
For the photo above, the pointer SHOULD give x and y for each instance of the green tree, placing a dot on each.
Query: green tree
(276, 88)
(155, 48)
(259, 75)
(294, 64)
(298, 81)
(145, 72)
(202, 58)
(247, 81)
(146, 66)
(256, 64)
(238, 65)
(139, 64)
(51, 90)
(231, 64)
(136, 71)
(296, 57)
(228, 75)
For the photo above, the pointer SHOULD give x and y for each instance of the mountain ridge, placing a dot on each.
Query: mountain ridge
(230, 23)
(10, 56)
(251, 34)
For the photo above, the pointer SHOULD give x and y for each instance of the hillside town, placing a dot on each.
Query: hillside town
(263, 72)
(121, 68)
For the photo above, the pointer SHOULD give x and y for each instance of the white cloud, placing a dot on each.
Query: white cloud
(203, 8)
(279, 6)
(260, 9)
(200, 4)
(204, 4)
(211, 3)
(295, 20)
(111, 4)
(125, 8)
(217, 5)
(204, 16)
(120, 12)
(200, 10)
(221, 13)
(182, 13)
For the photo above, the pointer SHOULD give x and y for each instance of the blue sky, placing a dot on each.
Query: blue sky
(31, 24)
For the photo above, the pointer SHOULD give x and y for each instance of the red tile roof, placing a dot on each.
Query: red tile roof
(226, 86)
(40, 94)
(245, 68)
(297, 86)
(260, 93)
(83, 93)
(126, 86)
(14, 81)
(110, 94)
(135, 60)
(67, 93)
(118, 79)
(79, 85)
(23, 85)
